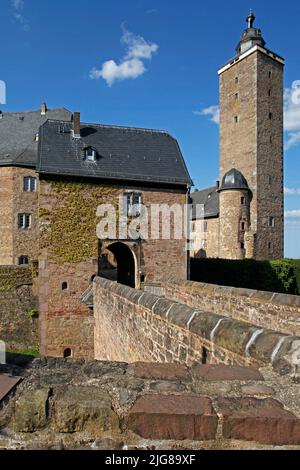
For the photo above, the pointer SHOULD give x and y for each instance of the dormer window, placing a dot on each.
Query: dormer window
(90, 154)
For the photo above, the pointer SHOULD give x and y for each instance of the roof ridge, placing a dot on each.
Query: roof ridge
(112, 126)
(36, 111)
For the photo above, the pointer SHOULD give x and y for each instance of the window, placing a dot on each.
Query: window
(236, 96)
(67, 353)
(29, 184)
(271, 139)
(204, 244)
(236, 119)
(24, 221)
(205, 226)
(270, 74)
(269, 92)
(133, 203)
(243, 200)
(64, 286)
(269, 179)
(271, 221)
(193, 227)
(243, 226)
(23, 261)
(90, 155)
(270, 116)
(242, 246)
(271, 247)
(236, 79)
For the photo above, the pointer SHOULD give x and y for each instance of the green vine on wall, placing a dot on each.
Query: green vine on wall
(68, 231)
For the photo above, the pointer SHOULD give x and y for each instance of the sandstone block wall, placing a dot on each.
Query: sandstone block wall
(69, 405)
(280, 312)
(15, 242)
(18, 309)
(132, 325)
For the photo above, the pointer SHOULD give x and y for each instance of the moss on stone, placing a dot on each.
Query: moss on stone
(71, 232)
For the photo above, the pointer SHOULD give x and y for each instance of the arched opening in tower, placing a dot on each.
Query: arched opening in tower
(117, 263)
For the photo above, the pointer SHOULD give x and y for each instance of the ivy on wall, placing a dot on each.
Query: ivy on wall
(68, 230)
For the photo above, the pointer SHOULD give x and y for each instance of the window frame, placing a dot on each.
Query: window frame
(23, 257)
(29, 184)
(24, 221)
(133, 207)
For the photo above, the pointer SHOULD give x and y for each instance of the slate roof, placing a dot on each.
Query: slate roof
(123, 153)
(208, 197)
(234, 179)
(17, 135)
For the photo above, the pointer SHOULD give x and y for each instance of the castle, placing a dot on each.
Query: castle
(55, 171)
(244, 214)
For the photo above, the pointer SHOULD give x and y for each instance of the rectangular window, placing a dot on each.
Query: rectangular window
(242, 246)
(133, 203)
(243, 201)
(23, 261)
(243, 226)
(271, 221)
(193, 227)
(29, 184)
(236, 119)
(271, 248)
(205, 226)
(236, 79)
(24, 221)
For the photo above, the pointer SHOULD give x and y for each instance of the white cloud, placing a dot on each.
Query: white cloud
(150, 12)
(132, 65)
(292, 116)
(18, 6)
(294, 214)
(212, 111)
(292, 191)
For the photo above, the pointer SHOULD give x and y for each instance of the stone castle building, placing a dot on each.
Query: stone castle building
(244, 215)
(55, 171)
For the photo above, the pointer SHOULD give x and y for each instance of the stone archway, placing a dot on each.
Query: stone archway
(118, 263)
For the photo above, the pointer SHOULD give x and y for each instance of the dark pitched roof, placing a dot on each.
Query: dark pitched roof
(17, 135)
(123, 153)
(208, 197)
(234, 179)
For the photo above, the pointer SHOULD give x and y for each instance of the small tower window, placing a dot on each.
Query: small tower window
(242, 245)
(236, 96)
(64, 286)
(24, 221)
(205, 226)
(243, 200)
(272, 221)
(133, 204)
(270, 74)
(243, 226)
(67, 353)
(236, 79)
(23, 261)
(269, 179)
(270, 92)
(236, 119)
(270, 116)
(271, 248)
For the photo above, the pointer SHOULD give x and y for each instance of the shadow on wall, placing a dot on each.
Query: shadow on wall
(281, 276)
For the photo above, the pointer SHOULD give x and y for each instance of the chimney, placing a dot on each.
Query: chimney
(43, 109)
(76, 125)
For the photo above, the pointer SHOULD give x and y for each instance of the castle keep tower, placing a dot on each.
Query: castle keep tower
(251, 151)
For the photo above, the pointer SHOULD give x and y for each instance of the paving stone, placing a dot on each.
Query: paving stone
(257, 389)
(177, 417)
(216, 372)
(159, 371)
(263, 421)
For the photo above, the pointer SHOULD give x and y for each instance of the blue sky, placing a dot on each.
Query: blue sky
(147, 63)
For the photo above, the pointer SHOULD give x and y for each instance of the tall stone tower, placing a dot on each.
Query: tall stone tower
(251, 148)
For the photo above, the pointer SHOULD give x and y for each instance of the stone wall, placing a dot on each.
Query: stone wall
(280, 312)
(205, 243)
(15, 242)
(18, 309)
(132, 325)
(67, 404)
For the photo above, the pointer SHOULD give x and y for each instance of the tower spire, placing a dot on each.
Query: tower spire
(250, 19)
(251, 36)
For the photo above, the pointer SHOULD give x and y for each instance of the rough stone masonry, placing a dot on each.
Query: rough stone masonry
(68, 404)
